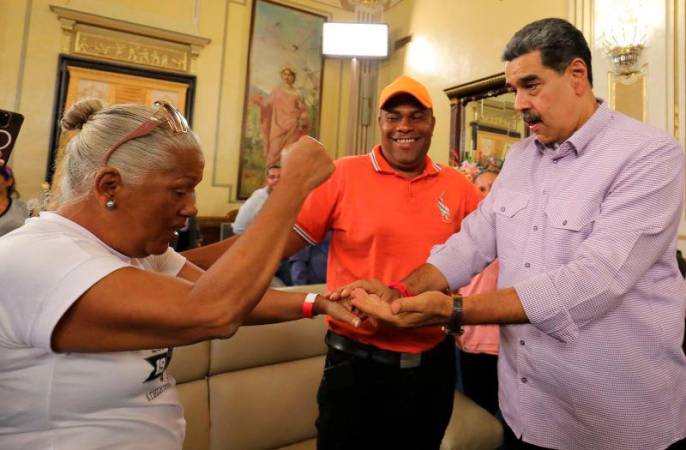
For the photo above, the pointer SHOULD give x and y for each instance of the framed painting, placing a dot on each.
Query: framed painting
(79, 78)
(283, 87)
(490, 145)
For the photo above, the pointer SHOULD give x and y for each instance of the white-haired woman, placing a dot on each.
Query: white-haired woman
(88, 290)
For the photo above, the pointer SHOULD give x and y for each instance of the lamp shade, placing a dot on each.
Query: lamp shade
(363, 40)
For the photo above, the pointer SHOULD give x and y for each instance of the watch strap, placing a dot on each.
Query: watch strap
(308, 305)
(454, 325)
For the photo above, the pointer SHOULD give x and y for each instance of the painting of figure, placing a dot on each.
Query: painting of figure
(283, 87)
(283, 116)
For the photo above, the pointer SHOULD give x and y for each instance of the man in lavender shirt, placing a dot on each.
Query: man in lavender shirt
(584, 219)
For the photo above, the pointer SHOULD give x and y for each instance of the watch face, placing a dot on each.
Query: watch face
(450, 332)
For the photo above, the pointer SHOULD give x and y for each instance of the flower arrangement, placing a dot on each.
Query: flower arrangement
(469, 169)
(472, 169)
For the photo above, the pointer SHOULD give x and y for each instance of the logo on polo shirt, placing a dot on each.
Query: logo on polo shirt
(443, 209)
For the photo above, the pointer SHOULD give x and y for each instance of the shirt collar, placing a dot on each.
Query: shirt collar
(581, 138)
(58, 218)
(380, 164)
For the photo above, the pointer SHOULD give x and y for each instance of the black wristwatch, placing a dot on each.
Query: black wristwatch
(454, 324)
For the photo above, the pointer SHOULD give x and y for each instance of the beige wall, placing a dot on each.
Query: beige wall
(454, 42)
(30, 42)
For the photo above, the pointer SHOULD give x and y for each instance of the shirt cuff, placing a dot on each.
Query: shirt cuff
(545, 309)
(446, 261)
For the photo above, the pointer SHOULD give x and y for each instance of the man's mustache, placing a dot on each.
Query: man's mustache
(531, 117)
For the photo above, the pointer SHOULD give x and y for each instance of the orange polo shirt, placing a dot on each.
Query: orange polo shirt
(383, 226)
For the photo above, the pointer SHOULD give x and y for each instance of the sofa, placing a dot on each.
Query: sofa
(258, 389)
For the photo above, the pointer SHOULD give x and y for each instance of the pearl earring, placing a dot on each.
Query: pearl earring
(110, 204)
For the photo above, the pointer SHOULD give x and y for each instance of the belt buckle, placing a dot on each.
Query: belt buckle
(410, 360)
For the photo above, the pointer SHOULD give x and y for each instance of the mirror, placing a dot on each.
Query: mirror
(483, 122)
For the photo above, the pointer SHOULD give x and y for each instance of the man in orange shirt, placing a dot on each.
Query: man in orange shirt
(385, 387)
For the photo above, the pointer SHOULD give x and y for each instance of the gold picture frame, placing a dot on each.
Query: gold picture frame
(283, 89)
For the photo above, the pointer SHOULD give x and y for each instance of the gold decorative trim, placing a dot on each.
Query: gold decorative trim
(128, 27)
(628, 93)
(584, 18)
(103, 37)
(682, 237)
(486, 83)
(117, 46)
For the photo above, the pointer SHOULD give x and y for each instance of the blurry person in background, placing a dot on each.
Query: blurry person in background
(484, 180)
(254, 203)
(252, 206)
(13, 212)
(308, 266)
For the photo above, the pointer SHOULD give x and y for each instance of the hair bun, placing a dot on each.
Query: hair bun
(80, 113)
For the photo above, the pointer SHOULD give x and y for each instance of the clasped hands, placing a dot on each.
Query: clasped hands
(373, 300)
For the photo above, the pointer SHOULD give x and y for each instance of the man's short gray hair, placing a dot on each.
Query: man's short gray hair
(558, 41)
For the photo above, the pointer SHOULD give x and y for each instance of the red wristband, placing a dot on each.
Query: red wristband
(308, 305)
(400, 287)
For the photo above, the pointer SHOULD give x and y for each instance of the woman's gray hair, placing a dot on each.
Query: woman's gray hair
(558, 41)
(100, 128)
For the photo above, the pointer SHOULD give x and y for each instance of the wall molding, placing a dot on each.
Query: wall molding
(220, 95)
(102, 37)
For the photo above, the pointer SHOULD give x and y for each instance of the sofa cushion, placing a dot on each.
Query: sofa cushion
(190, 362)
(254, 346)
(264, 407)
(194, 397)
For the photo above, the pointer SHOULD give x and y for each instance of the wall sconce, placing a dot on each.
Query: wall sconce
(623, 32)
(622, 27)
(625, 60)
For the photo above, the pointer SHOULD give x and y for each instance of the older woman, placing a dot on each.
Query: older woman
(93, 298)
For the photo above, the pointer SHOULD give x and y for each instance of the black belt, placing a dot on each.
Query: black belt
(402, 360)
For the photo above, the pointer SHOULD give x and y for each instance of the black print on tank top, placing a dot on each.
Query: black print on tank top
(159, 362)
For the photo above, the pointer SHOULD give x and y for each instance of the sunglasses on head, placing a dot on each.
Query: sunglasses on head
(165, 114)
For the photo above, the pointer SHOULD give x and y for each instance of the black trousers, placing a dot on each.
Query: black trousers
(480, 379)
(512, 442)
(365, 404)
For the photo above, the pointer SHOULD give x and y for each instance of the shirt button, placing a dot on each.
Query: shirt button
(502, 209)
(555, 161)
(527, 265)
(524, 380)
(535, 227)
(521, 342)
(564, 222)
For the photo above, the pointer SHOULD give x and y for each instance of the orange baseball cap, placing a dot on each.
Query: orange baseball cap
(406, 85)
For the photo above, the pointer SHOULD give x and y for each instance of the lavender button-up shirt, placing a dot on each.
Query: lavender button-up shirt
(586, 234)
